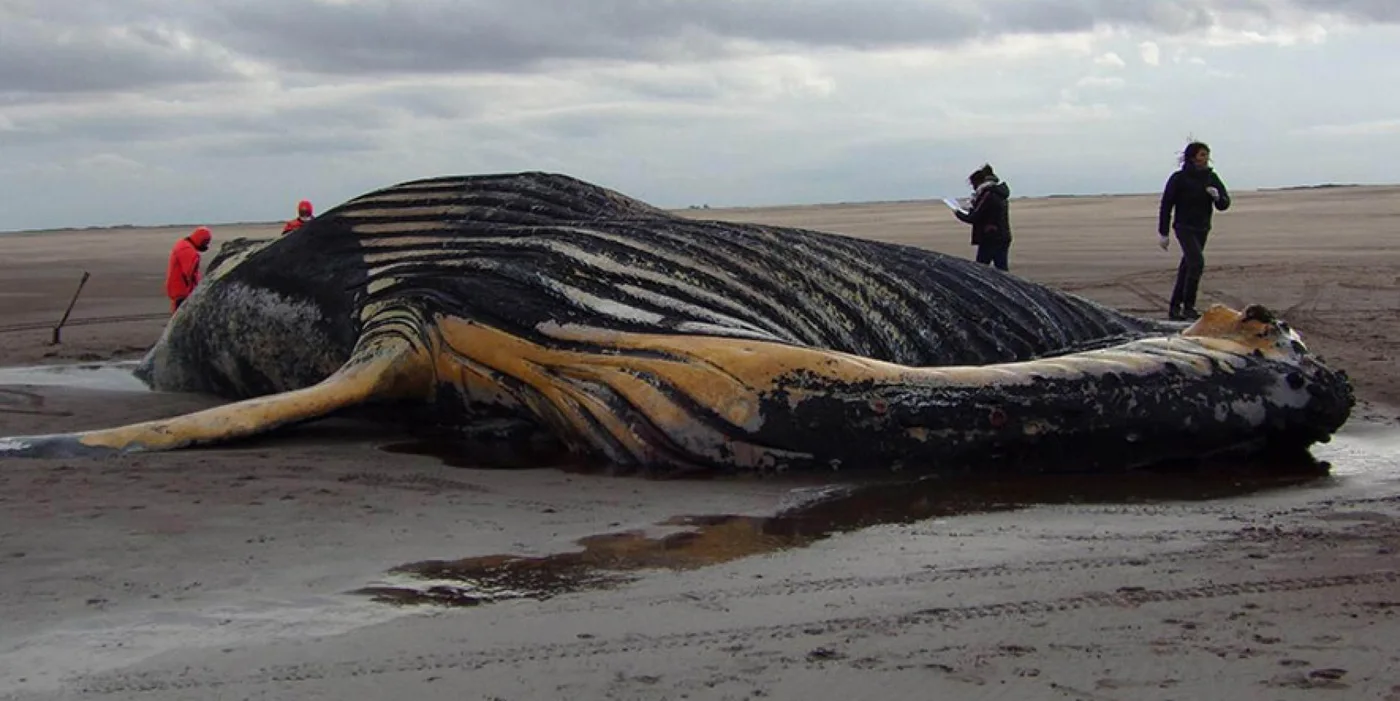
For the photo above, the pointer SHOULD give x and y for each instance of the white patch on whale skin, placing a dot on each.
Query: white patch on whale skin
(264, 320)
(1256, 410)
(385, 253)
(12, 446)
(1251, 410)
(222, 267)
(609, 308)
(718, 323)
(244, 327)
(681, 262)
(727, 331)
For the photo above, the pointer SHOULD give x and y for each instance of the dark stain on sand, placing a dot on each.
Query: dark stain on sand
(612, 558)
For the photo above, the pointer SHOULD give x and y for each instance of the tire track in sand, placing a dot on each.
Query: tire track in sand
(189, 679)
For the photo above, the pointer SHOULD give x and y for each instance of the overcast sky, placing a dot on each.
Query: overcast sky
(158, 111)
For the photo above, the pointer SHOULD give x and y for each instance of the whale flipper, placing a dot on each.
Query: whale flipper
(384, 369)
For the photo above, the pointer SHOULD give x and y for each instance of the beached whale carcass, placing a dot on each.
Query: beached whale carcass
(661, 341)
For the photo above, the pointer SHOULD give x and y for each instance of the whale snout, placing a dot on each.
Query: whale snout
(1258, 330)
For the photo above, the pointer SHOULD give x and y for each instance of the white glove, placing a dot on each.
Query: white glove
(1213, 191)
(1163, 242)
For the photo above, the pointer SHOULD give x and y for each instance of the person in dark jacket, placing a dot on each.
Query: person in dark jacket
(990, 217)
(1192, 193)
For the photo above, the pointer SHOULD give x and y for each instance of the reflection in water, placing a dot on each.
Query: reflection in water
(711, 539)
(484, 445)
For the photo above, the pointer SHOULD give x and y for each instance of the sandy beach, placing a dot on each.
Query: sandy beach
(340, 560)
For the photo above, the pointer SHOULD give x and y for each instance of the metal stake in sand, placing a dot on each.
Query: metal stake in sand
(74, 301)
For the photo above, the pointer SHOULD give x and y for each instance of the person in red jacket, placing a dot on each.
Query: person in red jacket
(182, 274)
(303, 216)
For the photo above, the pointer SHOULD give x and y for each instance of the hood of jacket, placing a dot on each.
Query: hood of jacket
(993, 186)
(1191, 171)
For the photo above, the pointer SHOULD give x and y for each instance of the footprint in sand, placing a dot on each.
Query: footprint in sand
(1329, 678)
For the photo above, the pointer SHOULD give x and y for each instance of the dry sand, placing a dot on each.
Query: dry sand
(233, 573)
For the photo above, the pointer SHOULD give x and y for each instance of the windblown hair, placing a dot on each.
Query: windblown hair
(981, 174)
(1189, 153)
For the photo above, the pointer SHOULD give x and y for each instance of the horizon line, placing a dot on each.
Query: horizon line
(708, 207)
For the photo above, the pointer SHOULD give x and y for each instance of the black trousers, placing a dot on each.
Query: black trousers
(1193, 265)
(994, 254)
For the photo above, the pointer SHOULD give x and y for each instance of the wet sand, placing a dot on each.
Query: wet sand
(333, 561)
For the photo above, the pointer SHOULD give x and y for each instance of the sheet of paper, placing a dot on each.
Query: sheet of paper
(952, 204)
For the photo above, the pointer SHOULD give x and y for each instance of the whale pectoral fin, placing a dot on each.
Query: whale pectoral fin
(383, 371)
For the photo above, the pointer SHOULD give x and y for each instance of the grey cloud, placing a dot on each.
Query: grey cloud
(289, 144)
(1056, 16)
(499, 36)
(92, 129)
(62, 55)
(495, 35)
(1375, 10)
(64, 45)
(665, 87)
(432, 102)
(584, 124)
(342, 121)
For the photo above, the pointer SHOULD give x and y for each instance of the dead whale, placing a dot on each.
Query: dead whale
(668, 343)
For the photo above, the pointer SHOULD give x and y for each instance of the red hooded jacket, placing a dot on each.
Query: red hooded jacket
(303, 216)
(183, 272)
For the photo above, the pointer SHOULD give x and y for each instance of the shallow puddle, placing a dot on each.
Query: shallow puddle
(109, 376)
(709, 539)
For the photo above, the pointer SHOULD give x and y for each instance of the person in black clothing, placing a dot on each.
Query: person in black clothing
(1193, 193)
(990, 217)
